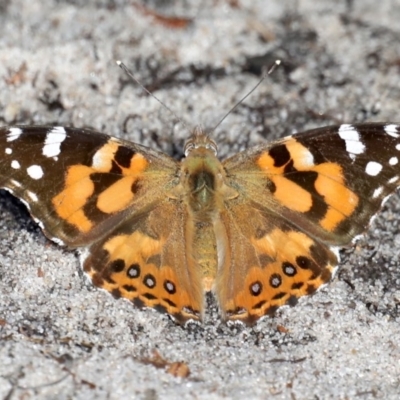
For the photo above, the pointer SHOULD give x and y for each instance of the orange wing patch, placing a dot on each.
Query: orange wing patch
(117, 196)
(341, 201)
(288, 160)
(69, 203)
(79, 185)
(291, 195)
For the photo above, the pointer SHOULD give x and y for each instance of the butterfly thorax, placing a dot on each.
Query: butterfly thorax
(202, 176)
(200, 180)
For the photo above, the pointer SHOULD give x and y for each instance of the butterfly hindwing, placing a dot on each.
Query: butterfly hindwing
(270, 263)
(148, 260)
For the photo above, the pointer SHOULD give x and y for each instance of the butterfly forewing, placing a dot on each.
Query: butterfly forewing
(328, 181)
(79, 183)
(368, 156)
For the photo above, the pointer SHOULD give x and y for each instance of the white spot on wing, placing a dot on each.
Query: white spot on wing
(336, 251)
(14, 134)
(32, 196)
(397, 146)
(393, 161)
(8, 150)
(35, 171)
(84, 253)
(352, 139)
(53, 141)
(373, 168)
(377, 192)
(57, 241)
(392, 130)
(308, 159)
(335, 268)
(190, 322)
(393, 180)
(39, 222)
(26, 204)
(358, 237)
(384, 201)
(15, 164)
(98, 160)
(15, 183)
(7, 189)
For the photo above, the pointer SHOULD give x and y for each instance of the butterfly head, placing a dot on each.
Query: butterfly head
(200, 141)
(202, 174)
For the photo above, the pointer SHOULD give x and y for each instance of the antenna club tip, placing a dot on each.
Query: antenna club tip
(118, 62)
(277, 62)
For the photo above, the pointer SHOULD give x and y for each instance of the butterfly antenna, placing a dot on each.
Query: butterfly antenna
(269, 72)
(129, 73)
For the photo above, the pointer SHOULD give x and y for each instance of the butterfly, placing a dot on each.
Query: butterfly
(259, 229)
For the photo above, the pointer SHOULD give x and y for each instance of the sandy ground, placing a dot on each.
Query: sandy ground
(60, 338)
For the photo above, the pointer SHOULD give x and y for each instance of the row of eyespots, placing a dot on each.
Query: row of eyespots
(288, 269)
(134, 272)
